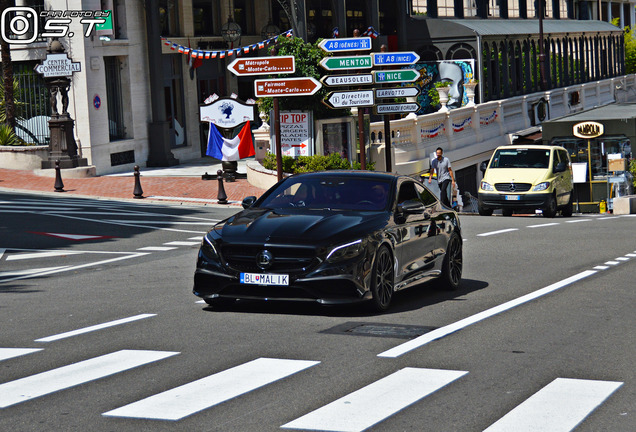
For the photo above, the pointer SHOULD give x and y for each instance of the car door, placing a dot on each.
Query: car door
(416, 246)
(563, 183)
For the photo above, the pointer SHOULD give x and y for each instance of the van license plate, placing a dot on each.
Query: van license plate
(264, 279)
(513, 197)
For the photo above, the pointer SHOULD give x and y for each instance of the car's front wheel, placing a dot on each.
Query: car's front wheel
(484, 211)
(382, 278)
(550, 209)
(453, 263)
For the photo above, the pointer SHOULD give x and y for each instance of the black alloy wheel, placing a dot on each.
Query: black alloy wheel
(569, 207)
(453, 263)
(382, 279)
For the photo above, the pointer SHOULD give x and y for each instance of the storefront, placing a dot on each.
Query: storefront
(599, 143)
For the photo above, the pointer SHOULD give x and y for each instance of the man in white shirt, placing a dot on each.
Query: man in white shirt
(445, 175)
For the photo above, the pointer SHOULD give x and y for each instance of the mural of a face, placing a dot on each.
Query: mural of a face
(453, 73)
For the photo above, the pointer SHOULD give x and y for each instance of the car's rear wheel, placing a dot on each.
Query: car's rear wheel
(507, 212)
(453, 263)
(550, 209)
(484, 211)
(569, 207)
(382, 278)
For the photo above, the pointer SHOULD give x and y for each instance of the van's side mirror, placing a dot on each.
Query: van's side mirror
(560, 167)
(482, 167)
(248, 201)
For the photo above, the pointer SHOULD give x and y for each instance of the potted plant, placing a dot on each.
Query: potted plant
(469, 87)
(442, 88)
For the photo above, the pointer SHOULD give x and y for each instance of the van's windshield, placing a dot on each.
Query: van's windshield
(521, 158)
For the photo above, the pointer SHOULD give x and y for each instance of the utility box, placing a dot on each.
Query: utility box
(625, 205)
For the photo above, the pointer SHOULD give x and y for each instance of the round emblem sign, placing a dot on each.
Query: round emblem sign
(97, 102)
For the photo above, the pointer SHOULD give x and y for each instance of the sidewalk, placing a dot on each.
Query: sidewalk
(178, 184)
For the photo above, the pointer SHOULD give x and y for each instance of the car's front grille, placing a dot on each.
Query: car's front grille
(513, 187)
(284, 259)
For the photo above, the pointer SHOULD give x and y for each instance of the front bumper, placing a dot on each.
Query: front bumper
(343, 282)
(500, 201)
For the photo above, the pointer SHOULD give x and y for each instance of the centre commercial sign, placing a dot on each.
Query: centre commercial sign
(58, 65)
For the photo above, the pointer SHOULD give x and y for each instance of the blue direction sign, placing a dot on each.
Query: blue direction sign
(395, 58)
(346, 44)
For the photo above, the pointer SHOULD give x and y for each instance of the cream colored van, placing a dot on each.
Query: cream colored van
(527, 177)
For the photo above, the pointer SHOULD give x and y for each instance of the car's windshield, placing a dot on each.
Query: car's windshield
(344, 193)
(521, 158)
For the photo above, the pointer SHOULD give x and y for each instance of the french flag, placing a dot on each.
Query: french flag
(224, 149)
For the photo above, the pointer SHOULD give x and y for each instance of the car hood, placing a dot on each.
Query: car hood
(516, 175)
(303, 226)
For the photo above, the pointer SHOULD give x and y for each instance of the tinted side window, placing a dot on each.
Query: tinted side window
(407, 192)
(425, 195)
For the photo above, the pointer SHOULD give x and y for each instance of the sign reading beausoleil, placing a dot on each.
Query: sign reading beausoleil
(396, 92)
(395, 58)
(58, 65)
(343, 80)
(353, 62)
(262, 65)
(346, 44)
(350, 98)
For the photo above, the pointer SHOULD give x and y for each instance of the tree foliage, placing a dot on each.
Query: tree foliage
(307, 57)
(630, 51)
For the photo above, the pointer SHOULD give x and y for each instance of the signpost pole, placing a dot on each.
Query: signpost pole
(363, 154)
(279, 150)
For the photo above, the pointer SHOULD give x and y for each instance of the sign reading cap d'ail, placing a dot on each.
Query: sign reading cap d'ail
(58, 65)
(346, 44)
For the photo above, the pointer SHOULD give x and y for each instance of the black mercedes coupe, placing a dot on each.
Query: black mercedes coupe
(332, 237)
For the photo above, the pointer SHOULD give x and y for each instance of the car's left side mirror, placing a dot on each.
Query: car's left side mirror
(248, 201)
(482, 167)
(560, 167)
(411, 207)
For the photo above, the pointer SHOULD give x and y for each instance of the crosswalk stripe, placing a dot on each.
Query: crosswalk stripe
(183, 243)
(41, 384)
(377, 401)
(7, 353)
(28, 272)
(198, 395)
(497, 232)
(558, 407)
(94, 328)
(37, 255)
(158, 222)
(156, 248)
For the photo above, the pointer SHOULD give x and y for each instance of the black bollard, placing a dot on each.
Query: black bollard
(222, 196)
(138, 192)
(59, 186)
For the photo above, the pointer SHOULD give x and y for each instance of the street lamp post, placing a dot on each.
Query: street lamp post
(543, 80)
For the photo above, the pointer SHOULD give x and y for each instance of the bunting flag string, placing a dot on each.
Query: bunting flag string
(209, 54)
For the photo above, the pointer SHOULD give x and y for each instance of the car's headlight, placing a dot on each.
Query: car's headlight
(208, 247)
(486, 186)
(541, 186)
(345, 251)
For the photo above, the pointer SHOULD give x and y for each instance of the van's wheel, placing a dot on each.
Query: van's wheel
(452, 264)
(484, 211)
(382, 279)
(569, 207)
(550, 209)
(507, 212)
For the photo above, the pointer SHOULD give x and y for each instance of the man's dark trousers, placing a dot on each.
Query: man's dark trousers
(443, 192)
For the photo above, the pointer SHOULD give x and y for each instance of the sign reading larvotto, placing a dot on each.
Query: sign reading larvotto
(58, 65)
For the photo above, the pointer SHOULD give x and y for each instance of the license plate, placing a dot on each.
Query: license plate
(264, 279)
(513, 197)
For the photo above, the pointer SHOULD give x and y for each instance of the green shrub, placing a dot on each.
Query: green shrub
(8, 137)
(632, 169)
(303, 164)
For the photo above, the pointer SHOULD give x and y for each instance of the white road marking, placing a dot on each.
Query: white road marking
(608, 218)
(451, 328)
(7, 353)
(377, 401)
(558, 407)
(631, 255)
(53, 270)
(199, 238)
(126, 224)
(2, 251)
(622, 259)
(158, 222)
(156, 248)
(600, 267)
(543, 225)
(497, 232)
(578, 220)
(30, 272)
(35, 255)
(34, 386)
(22, 208)
(204, 393)
(183, 243)
(612, 263)
(94, 328)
